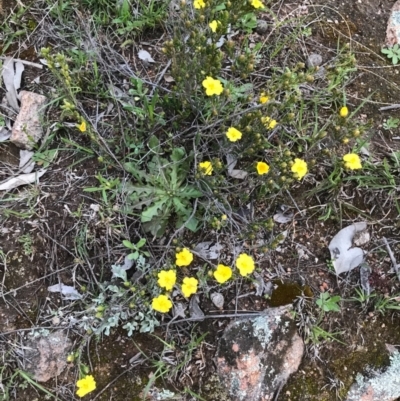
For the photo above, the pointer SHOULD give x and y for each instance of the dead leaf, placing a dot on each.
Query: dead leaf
(283, 217)
(217, 299)
(194, 308)
(12, 75)
(4, 134)
(68, 292)
(168, 78)
(206, 251)
(26, 164)
(179, 310)
(239, 174)
(145, 56)
(344, 257)
(22, 179)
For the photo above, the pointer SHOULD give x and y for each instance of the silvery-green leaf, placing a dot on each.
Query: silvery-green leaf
(69, 293)
(344, 257)
(118, 272)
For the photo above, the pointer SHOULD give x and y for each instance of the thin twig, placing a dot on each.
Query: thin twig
(391, 107)
(30, 63)
(392, 258)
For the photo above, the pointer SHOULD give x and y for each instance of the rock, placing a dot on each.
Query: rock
(393, 28)
(256, 356)
(46, 354)
(262, 27)
(27, 129)
(383, 386)
(313, 60)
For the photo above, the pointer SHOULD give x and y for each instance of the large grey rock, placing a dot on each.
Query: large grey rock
(383, 386)
(393, 28)
(256, 356)
(27, 129)
(45, 354)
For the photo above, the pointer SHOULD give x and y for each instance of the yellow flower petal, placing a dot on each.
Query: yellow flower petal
(189, 286)
(212, 86)
(214, 25)
(198, 4)
(184, 257)
(257, 4)
(82, 126)
(167, 279)
(344, 112)
(262, 168)
(85, 386)
(233, 134)
(299, 168)
(161, 304)
(222, 273)
(206, 168)
(245, 264)
(352, 161)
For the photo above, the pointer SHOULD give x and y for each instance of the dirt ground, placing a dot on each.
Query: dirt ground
(44, 245)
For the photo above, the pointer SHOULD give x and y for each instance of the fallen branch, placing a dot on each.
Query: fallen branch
(392, 258)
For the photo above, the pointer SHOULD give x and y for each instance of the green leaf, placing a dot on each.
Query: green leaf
(141, 242)
(128, 244)
(152, 211)
(154, 144)
(192, 224)
(178, 154)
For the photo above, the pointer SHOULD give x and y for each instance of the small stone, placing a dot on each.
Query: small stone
(27, 129)
(256, 356)
(262, 27)
(313, 60)
(46, 354)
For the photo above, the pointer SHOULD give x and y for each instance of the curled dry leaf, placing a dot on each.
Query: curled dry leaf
(4, 134)
(12, 75)
(145, 56)
(344, 257)
(217, 299)
(69, 293)
(22, 179)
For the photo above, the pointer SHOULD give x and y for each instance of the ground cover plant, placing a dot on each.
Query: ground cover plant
(191, 159)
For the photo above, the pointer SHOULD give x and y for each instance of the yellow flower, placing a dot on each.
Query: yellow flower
(85, 386)
(184, 257)
(214, 25)
(189, 286)
(199, 4)
(262, 168)
(299, 168)
(82, 126)
(352, 161)
(344, 112)
(245, 264)
(263, 98)
(223, 273)
(268, 122)
(212, 86)
(161, 304)
(167, 279)
(224, 217)
(233, 134)
(257, 4)
(206, 168)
